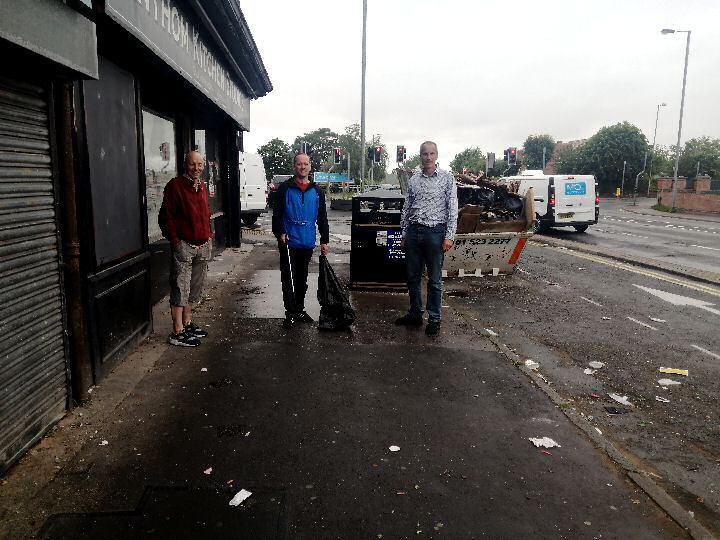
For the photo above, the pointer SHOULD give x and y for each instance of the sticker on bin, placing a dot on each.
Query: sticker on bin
(394, 252)
(381, 239)
(575, 188)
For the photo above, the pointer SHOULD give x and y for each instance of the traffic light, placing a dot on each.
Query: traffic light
(377, 157)
(338, 156)
(506, 157)
(306, 148)
(512, 152)
(491, 160)
(371, 153)
(401, 154)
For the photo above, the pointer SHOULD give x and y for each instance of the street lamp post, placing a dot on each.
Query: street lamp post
(362, 98)
(652, 151)
(682, 106)
(622, 185)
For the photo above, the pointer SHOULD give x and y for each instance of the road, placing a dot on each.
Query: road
(672, 239)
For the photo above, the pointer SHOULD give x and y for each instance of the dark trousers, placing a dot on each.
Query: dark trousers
(294, 293)
(423, 249)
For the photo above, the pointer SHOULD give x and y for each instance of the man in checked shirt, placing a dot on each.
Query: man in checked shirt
(429, 221)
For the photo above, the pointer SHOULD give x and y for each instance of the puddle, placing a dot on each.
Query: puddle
(267, 303)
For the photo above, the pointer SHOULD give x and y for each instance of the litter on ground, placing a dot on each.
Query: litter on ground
(531, 364)
(596, 365)
(588, 371)
(239, 497)
(662, 399)
(656, 320)
(615, 410)
(668, 382)
(208, 470)
(543, 442)
(674, 371)
(394, 448)
(620, 399)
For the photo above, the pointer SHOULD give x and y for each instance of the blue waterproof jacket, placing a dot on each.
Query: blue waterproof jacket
(296, 214)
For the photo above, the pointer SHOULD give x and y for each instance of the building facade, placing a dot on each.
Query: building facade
(101, 103)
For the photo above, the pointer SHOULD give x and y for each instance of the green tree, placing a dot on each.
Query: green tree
(473, 158)
(603, 155)
(277, 158)
(702, 150)
(413, 161)
(323, 141)
(350, 143)
(533, 150)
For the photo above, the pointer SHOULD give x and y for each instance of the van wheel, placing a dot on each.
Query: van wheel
(250, 219)
(580, 228)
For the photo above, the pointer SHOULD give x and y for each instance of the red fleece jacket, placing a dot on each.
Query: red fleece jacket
(185, 213)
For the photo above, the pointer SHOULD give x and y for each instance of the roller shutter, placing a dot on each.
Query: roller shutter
(33, 369)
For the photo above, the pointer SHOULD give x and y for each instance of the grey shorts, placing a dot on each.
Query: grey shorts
(188, 268)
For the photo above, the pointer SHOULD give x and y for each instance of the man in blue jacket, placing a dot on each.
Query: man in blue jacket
(299, 210)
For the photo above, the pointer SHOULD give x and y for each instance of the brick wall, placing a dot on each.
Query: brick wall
(700, 198)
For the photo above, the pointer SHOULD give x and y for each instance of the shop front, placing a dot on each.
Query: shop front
(35, 370)
(101, 104)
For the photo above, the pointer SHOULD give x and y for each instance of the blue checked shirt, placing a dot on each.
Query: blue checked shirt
(431, 200)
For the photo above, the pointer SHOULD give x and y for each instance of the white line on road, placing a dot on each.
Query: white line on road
(707, 289)
(593, 302)
(642, 324)
(716, 356)
(704, 247)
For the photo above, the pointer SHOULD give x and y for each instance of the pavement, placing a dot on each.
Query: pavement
(643, 207)
(378, 432)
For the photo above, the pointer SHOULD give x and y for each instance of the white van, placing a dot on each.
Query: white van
(561, 200)
(253, 187)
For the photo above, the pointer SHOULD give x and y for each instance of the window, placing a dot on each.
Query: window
(207, 145)
(160, 166)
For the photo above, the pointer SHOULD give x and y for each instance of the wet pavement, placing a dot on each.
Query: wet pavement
(308, 422)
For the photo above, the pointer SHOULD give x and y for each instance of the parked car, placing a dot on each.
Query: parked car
(273, 188)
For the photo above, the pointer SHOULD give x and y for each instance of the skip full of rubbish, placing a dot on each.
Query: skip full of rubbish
(674, 371)
(531, 364)
(620, 399)
(543, 442)
(394, 448)
(668, 382)
(239, 497)
(596, 365)
(662, 399)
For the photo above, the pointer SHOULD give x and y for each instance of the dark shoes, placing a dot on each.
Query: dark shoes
(195, 331)
(432, 328)
(291, 318)
(183, 339)
(409, 320)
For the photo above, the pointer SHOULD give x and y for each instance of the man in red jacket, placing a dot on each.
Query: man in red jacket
(185, 220)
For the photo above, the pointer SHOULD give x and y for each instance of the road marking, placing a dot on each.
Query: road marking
(642, 323)
(716, 356)
(704, 247)
(678, 300)
(707, 289)
(593, 302)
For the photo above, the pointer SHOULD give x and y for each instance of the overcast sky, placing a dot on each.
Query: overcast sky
(485, 73)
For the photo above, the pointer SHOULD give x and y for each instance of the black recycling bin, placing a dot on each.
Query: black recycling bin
(376, 260)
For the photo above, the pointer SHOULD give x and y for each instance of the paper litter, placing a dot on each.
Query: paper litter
(239, 497)
(674, 371)
(595, 365)
(668, 382)
(620, 399)
(543, 442)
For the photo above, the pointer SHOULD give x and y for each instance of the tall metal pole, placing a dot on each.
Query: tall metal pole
(682, 106)
(622, 186)
(652, 152)
(544, 159)
(362, 98)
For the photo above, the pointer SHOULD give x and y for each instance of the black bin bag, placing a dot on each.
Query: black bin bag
(336, 313)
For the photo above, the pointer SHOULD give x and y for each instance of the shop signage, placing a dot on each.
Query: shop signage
(163, 27)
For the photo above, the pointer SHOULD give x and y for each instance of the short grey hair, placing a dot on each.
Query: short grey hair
(428, 142)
